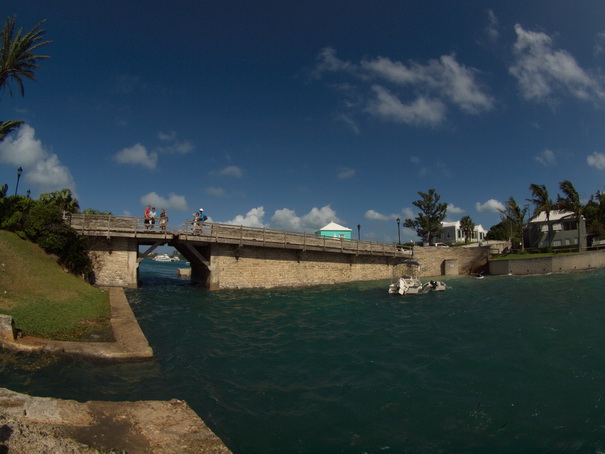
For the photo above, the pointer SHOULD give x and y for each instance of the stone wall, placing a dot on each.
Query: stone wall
(438, 261)
(114, 261)
(544, 265)
(254, 267)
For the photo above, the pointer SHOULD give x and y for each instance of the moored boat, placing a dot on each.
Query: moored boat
(411, 285)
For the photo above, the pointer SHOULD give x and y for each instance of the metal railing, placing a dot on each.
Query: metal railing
(110, 225)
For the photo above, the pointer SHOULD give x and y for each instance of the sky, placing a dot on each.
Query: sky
(291, 115)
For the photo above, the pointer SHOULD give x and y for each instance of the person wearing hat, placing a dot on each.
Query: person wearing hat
(198, 219)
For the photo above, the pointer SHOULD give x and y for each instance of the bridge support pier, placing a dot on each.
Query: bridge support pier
(114, 261)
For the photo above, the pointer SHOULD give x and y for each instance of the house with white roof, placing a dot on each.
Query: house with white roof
(334, 230)
(564, 226)
(451, 233)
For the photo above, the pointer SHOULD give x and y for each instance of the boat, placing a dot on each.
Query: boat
(165, 258)
(411, 285)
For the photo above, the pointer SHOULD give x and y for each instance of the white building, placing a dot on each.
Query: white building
(451, 232)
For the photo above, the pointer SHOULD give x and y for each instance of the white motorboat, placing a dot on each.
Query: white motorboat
(165, 258)
(411, 285)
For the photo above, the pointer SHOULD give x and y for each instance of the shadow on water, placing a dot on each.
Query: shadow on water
(503, 364)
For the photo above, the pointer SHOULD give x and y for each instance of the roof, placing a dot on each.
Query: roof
(555, 215)
(334, 226)
(456, 224)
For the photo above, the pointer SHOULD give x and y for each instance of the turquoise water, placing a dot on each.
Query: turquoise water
(499, 365)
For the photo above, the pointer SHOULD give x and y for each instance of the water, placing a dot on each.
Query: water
(499, 365)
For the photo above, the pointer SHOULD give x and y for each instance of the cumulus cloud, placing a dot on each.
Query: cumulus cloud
(374, 215)
(491, 206)
(137, 155)
(41, 168)
(417, 94)
(253, 218)
(287, 219)
(596, 160)
(544, 72)
(171, 144)
(173, 202)
(452, 209)
(546, 158)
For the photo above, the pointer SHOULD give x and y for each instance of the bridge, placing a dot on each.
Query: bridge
(230, 256)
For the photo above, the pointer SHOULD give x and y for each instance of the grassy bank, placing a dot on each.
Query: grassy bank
(46, 301)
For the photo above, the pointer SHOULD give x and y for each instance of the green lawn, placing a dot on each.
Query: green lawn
(45, 300)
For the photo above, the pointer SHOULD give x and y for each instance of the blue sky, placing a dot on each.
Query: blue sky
(290, 115)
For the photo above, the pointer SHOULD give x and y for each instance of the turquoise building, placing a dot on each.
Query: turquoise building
(334, 230)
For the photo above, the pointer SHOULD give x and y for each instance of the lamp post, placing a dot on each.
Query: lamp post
(28, 193)
(398, 232)
(19, 172)
(358, 232)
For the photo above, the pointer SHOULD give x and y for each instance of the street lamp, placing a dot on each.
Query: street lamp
(398, 232)
(19, 172)
(28, 193)
(358, 232)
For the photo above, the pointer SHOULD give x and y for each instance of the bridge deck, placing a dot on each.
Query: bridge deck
(135, 227)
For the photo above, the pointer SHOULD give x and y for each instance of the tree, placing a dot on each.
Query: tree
(18, 61)
(513, 213)
(428, 222)
(594, 212)
(63, 199)
(467, 226)
(571, 202)
(542, 204)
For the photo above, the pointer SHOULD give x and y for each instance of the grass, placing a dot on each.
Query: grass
(46, 301)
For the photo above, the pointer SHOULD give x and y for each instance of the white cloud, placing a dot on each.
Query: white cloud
(174, 145)
(491, 30)
(543, 71)
(491, 206)
(137, 155)
(41, 168)
(346, 173)
(546, 158)
(231, 171)
(441, 82)
(422, 111)
(287, 219)
(599, 47)
(596, 160)
(253, 218)
(452, 209)
(374, 215)
(173, 202)
(215, 191)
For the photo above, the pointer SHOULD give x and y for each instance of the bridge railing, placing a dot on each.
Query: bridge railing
(227, 233)
(223, 233)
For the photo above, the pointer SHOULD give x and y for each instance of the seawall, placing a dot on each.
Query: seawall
(567, 263)
(254, 267)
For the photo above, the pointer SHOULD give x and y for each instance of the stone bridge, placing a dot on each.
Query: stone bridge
(228, 256)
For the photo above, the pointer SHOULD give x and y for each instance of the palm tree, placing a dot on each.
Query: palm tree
(542, 204)
(63, 199)
(516, 216)
(467, 226)
(18, 61)
(571, 202)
